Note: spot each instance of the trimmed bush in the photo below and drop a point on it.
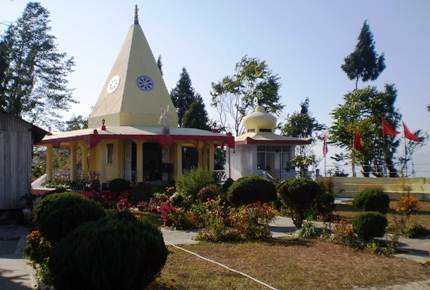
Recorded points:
(116, 252)
(59, 213)
(415, 230)
(227, 183)
(299, 195)
(211, 191)
(190, 184)
(324, 205)
(119, 185)
(251, 189)
(369, 224)
(372, 199)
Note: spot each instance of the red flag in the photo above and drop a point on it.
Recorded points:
(408, 134)
(325, 147)
(358, 142)
(387, 129)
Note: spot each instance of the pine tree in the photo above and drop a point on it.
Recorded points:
(364, 63)
(33, 73)
(301, 124)
(196, 116)
(76, 123)
(183, 95)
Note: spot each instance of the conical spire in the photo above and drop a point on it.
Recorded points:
(136, 14)
(134, 93)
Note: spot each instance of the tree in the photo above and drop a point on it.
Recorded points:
(33, 73)
(183, 95)
(196, 116)
(362, 112)
(364, 63)
(160, 65)
(76, 123)
(233, 96)
(301, 124)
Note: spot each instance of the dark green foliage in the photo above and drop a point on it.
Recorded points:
(119, 185)
(372, 199)
(76, 123)
(59, 213)
(190, 184)
(196, 115)
(227, 183)
(299, 195)
(369, 224)
(183, 95)
(301, 124)
(143, 191)
(117, 252)
(362, 110)
(33, 73)
(211, 191)
(233, 96)
(324, 205)
(415, 230)
(364, 63)
(251, 189)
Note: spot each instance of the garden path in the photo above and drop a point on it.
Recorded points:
(15, 272)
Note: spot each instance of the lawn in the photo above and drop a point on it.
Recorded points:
(301, 264)
(422, 217)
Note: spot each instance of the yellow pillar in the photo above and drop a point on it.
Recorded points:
(139, 161)
(178, 160)
(49, 160)
(72, 161)
(84, 155)
(200, 155)
(211, 157)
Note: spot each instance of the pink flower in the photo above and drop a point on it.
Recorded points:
(123, 204)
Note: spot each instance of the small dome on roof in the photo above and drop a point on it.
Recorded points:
(259, 120)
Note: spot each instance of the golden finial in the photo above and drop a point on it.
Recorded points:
(136, 14)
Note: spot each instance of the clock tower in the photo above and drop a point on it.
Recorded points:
(134, 92)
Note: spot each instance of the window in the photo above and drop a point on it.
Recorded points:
(109, 153)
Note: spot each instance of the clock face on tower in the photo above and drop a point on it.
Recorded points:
(113, 84)
(145, 83)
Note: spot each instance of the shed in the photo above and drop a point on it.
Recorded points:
(16, 148)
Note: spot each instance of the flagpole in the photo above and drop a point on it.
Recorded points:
(325, 166)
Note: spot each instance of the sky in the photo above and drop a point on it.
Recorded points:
(304, 42)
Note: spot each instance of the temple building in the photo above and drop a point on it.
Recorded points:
(133, 129)
(259, 151)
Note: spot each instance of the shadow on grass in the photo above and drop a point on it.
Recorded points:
(287, 242)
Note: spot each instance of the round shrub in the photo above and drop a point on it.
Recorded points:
(251, 189)
(227, 183)
(119, 185)
(208, 192)
(369, 224)
(324, 205)
(299, 195)
(116, 252)
(372, 199)
(59, 213)
(190, 184)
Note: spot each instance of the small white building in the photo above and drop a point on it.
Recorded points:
(260, 151)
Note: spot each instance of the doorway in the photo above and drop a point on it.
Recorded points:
(152, 161)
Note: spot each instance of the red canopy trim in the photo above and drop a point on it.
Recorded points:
(249, 140)
(93, 139)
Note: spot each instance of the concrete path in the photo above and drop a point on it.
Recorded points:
(15, 272)
(418, 285)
